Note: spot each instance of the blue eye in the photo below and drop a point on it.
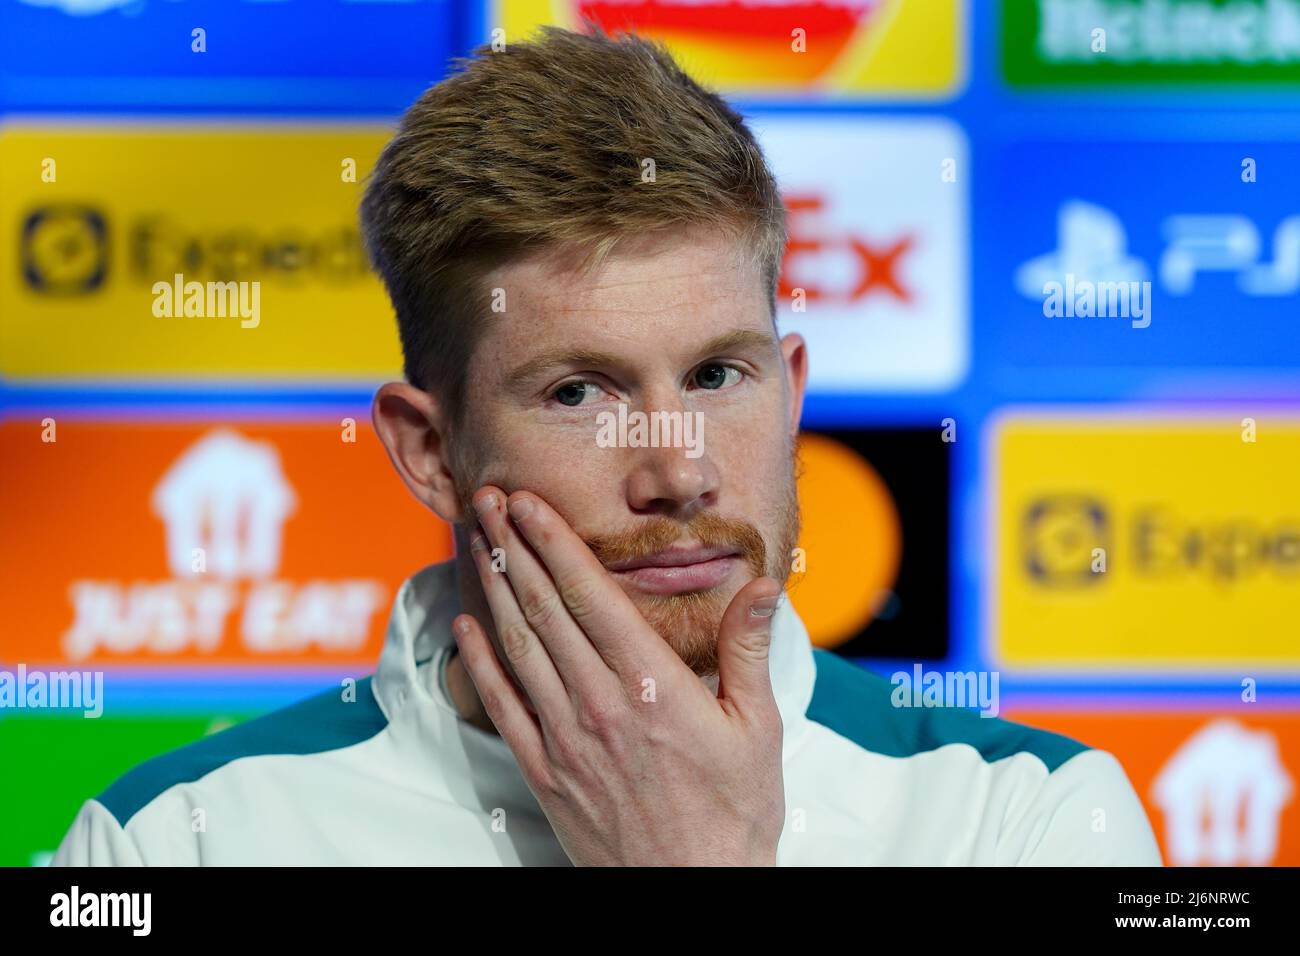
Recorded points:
(715, 376)
(571, 394)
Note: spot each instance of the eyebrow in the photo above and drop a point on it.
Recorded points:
(739, 340)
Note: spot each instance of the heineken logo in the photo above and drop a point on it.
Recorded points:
(1049, 42)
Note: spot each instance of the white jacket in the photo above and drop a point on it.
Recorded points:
(390, 774)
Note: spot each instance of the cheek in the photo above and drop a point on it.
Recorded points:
(752, 461)
(562, 466)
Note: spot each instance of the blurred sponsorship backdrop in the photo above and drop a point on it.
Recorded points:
(1046, 254)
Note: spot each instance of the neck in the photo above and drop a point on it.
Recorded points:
(465, 698)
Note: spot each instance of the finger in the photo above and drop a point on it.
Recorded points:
(501, 699)
(523, 650)
(595, 601)
(535, 592)
(744, 639)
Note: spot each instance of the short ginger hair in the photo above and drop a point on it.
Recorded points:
(543, 146)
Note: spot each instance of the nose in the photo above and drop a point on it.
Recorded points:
(678, 478)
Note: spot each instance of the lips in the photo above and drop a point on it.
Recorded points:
(674, 558)
(743, 42)
(678, 570)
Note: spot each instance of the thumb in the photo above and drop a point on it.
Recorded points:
(743, 642)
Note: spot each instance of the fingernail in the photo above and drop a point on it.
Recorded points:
(520, 508)
(485, 504)
(478, 542)
(764, 607)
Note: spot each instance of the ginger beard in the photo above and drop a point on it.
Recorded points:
(689, 622)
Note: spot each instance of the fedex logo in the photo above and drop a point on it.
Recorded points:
(873, 267)
(875, 274)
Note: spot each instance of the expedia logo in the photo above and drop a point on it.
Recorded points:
(1067, 542)
(1061, 535)
(64, 250)
(1134, 536)
(1169, 546)
(82, 270)
(158, 246)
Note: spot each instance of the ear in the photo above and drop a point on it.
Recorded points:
(413, 428)
(795, 355)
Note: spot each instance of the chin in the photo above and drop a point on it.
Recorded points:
(688, 623)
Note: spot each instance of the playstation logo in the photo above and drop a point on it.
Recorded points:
(1091, 245)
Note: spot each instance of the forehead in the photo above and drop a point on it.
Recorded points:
(661, 290)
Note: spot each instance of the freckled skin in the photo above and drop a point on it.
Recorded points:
(652, 307)
(692, 775)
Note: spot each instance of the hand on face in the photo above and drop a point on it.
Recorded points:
(631, 757)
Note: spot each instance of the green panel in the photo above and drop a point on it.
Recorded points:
(52, 763)
(1153, 43)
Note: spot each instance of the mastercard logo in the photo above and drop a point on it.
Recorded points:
(850, 542)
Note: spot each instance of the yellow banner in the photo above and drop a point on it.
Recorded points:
(171, 251)
(1146, 542)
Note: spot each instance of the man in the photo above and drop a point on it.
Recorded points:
(607, 672)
